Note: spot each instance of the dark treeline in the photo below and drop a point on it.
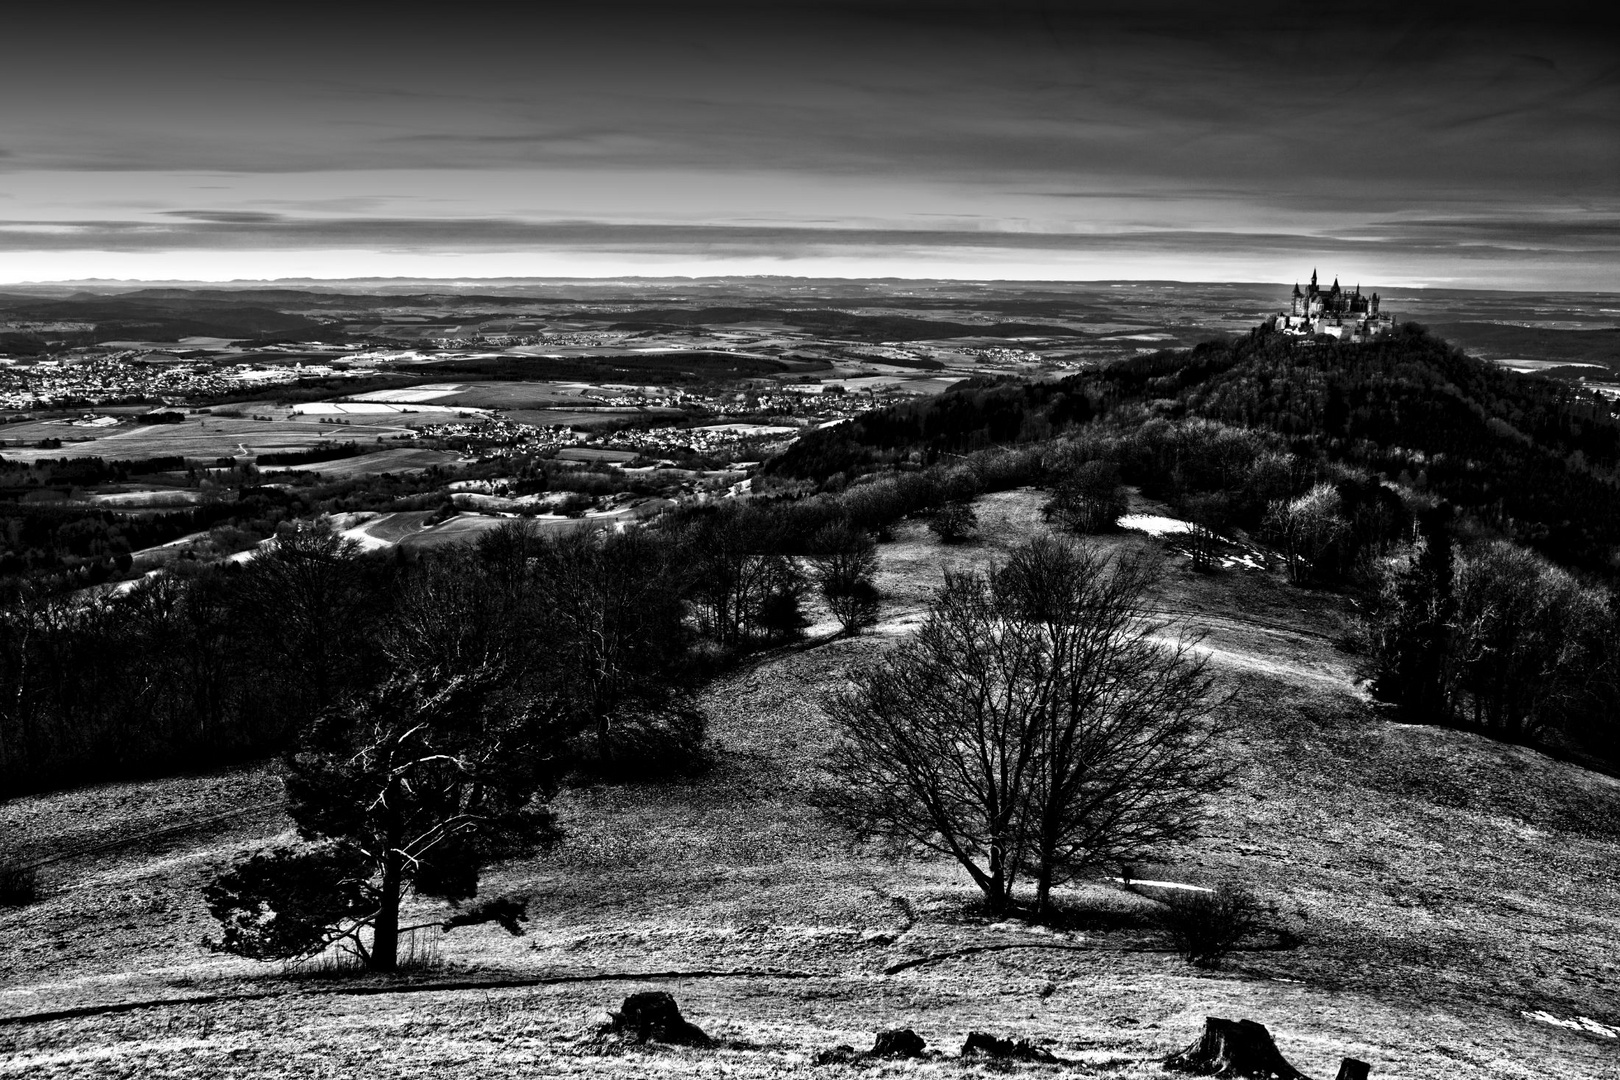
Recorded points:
(192, 668)
(208, 663)
(685, 368)
(328, 451)
(1483, 633)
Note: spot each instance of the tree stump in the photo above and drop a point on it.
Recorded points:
(652, 1016)
(983, 1044)
(1351, 1069)
(897, 1043)
(1234, 1048)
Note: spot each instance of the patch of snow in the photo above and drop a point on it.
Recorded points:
(1154, 524)
(1164, 884)
(1577, 1023)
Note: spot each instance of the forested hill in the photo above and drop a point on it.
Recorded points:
(1534, 457)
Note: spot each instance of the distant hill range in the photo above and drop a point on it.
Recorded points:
(1543, 329)
(159, 317)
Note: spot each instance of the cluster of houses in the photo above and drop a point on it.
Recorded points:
(134, 375)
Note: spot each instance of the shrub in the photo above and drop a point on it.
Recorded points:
(19, 884)
(1205, 927)
(1209, 516)
(1088, 498)
(575, 504)
(954, 522)
(649, 745)
(843, 565)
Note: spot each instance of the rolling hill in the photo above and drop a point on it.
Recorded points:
(1445, 902)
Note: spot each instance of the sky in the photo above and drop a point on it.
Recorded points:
(1441, 145)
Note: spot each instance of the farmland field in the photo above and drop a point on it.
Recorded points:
(203, 437)
(395, 528)
(148, 499)
(456, 530)
(591, 453)
(409, 528)
(585, 418)
(519, 395)
(400, 460)
(410, 394)
(435, 412)
(505, 396)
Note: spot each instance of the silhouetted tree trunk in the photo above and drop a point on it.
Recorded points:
(1235, 1048)
(385, 931)
(1351, 1069)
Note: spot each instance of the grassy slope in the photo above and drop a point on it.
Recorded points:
(1442, 884)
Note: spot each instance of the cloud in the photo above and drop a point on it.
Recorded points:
(227, 217)
(1461, 239)
(1145, 124)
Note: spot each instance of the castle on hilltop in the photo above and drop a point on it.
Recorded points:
(1348, 316)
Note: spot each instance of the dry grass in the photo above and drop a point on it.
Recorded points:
(1440, 885)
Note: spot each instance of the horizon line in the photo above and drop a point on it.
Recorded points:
(695, 279)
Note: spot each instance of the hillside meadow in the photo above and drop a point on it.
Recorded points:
(1440, 900)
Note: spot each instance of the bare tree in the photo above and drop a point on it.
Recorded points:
(1307, 527)
(954, 522)
(1522, 635)
(306, 596)
(1036, 724)
(843, 563)
(1088, 498)
(617, 624)
(745, 591)
(935, 746)
(1122, 757)
(1208, 517)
